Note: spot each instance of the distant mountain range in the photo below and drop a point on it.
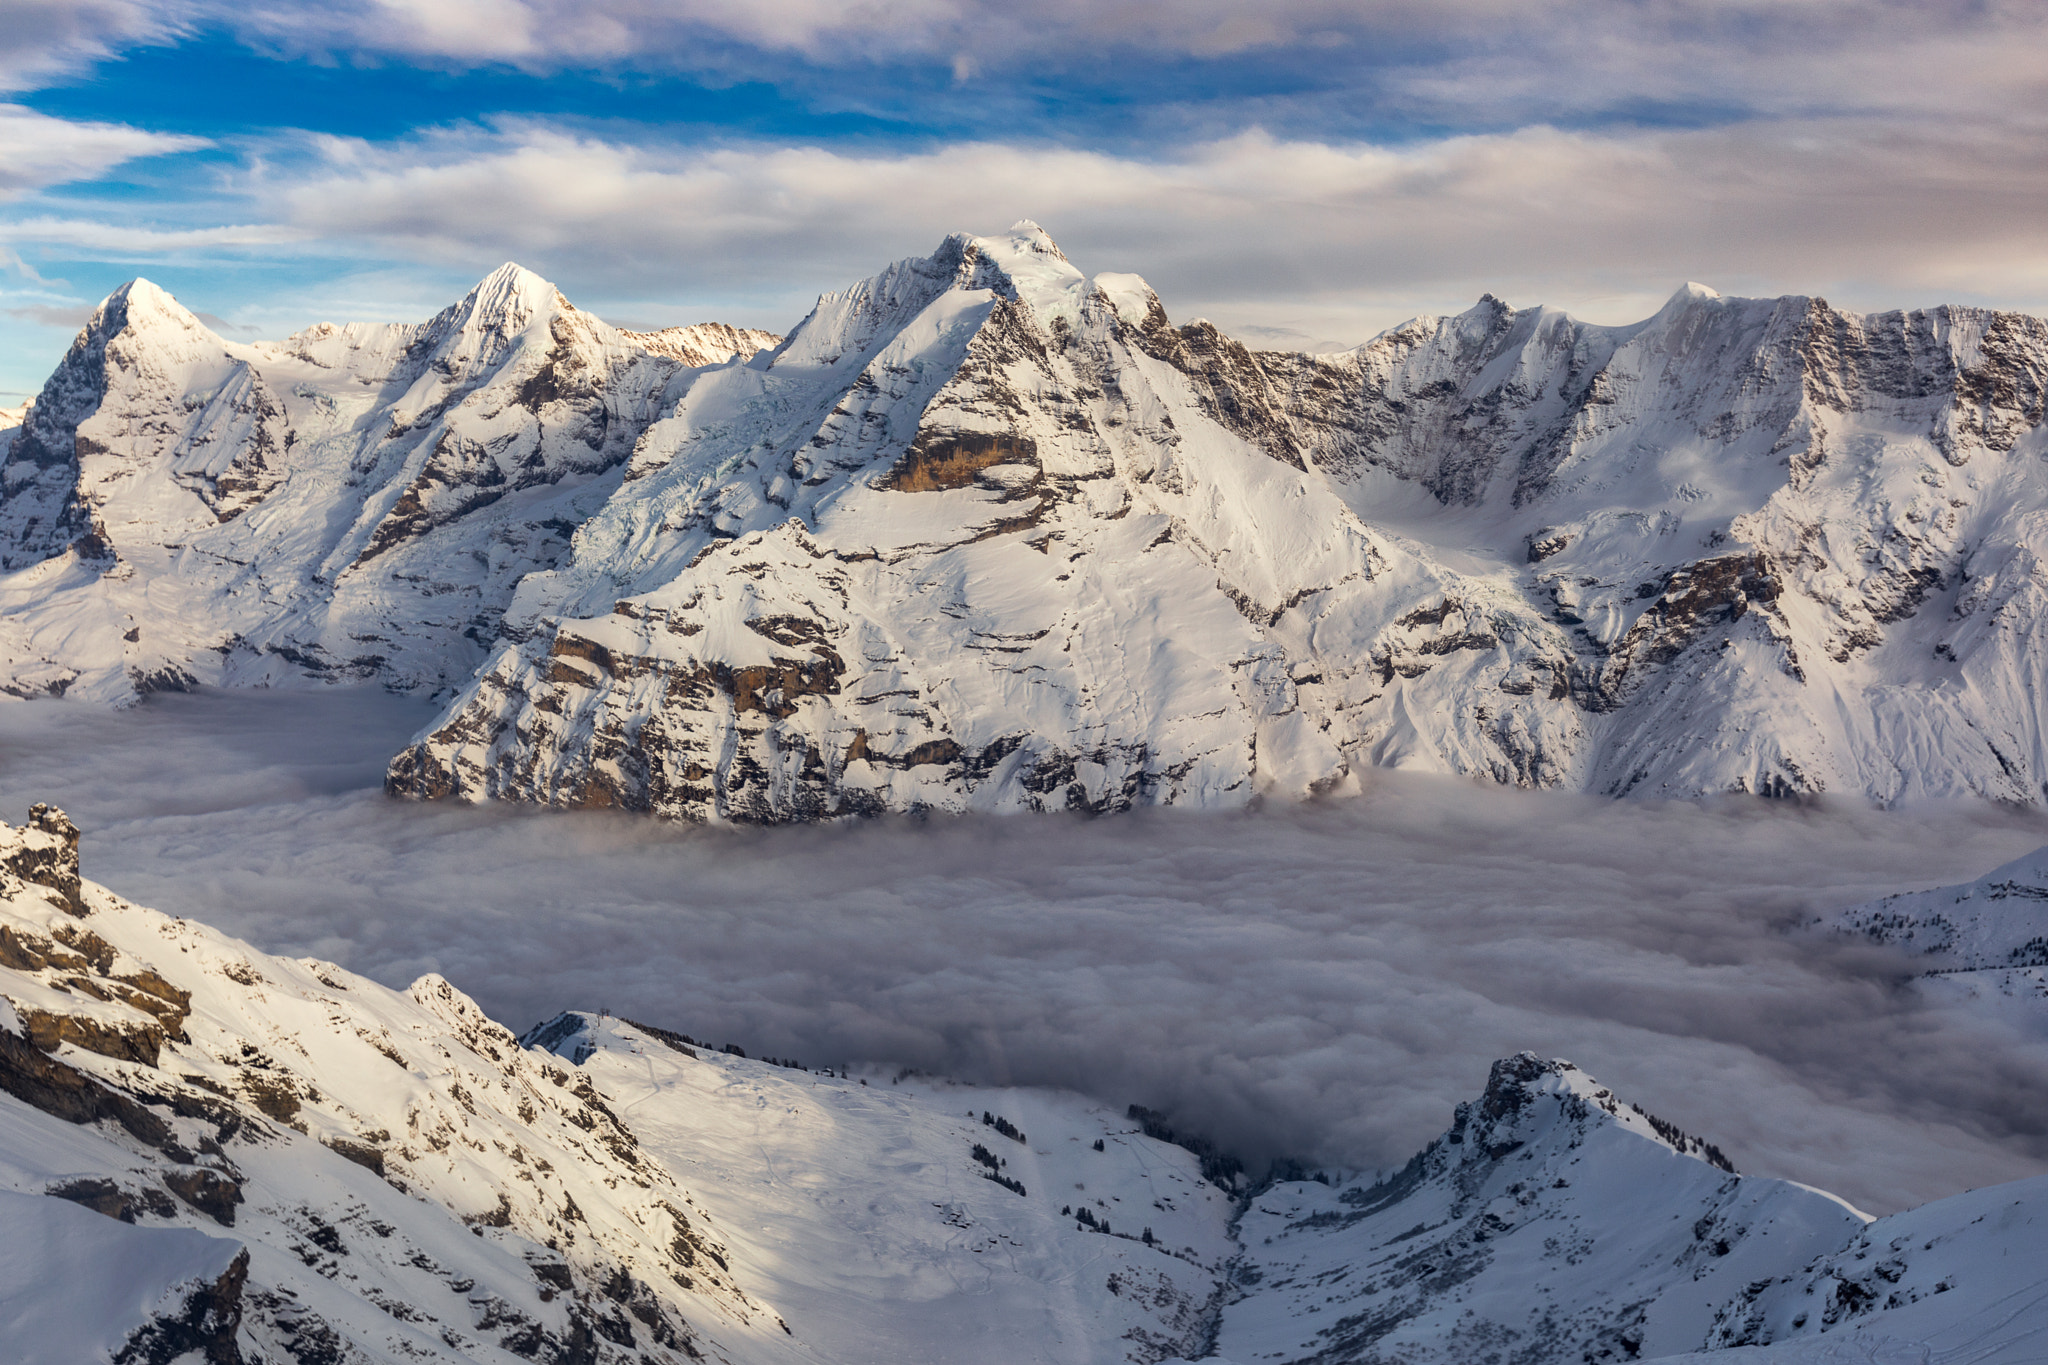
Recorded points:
(212, 1154)
(985, 533)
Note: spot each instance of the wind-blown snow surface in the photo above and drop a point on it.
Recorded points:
(985, 533)
(1323, 981)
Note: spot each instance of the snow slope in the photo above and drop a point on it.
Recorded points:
(1982, 946)
(1959, 1281)
(859, 1209)
(76, 1286)
(350, 503)
(985, 533)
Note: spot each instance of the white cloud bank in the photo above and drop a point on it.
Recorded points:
(1334, 241)
(1320, 981)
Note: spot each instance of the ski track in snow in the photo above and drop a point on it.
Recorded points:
(1324, 982)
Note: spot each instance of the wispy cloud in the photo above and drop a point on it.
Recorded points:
(37, 151)
(47, 38)
(1324, 981)
(52, 314)
(141, 242)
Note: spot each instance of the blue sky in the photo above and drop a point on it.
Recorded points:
(1302, 171)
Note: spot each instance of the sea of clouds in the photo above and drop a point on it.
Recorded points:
(1321, 982)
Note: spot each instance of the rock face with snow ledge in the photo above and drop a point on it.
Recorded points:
(315, 1168)
(351, 503)
(389, 1174)
(987, 534)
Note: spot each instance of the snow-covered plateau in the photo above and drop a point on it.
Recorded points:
(214, 1154)
(986, 533)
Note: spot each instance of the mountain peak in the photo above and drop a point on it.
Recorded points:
(143, 305)
(1037, 269)
(1511, 1110)
(1029, 236)
(510, 298)
(1685, 296)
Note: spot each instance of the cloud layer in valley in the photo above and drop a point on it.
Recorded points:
(1323, 981)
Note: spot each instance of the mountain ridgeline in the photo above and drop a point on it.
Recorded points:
(984, 533)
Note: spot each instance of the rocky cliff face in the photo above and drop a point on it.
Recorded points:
(988, 534)
(352, 503)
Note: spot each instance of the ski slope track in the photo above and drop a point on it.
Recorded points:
(984, 533)
(212, 1154)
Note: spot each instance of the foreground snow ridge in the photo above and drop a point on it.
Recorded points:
(986, 533)
(208, 1153)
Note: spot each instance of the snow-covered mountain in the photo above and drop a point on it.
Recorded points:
(1982, 945)
(207, 1152)
(350, 503)
(1551, 1223)
(987, 533)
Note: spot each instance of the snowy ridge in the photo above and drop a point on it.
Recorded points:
(352, 503)
(986, 534)
(1551, 1223)
(1958, 1280)
(1997, 923)
(705, 343)
(407, 1183)
(262, 1159)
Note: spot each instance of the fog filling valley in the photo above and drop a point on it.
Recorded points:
(1321, 982)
